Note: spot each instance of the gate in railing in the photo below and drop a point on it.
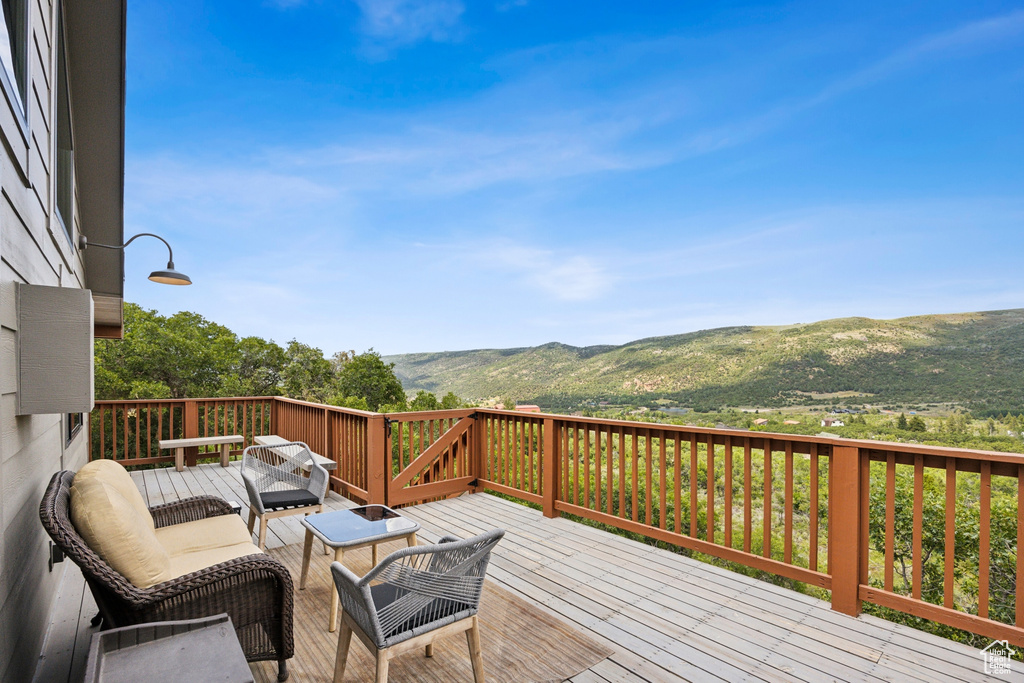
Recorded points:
(795, 506)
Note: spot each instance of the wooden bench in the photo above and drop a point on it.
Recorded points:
(275, 440)
(179, 446)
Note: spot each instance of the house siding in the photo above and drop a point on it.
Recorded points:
(33, 249)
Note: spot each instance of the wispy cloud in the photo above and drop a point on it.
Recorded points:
(390, 24)
(506, 5)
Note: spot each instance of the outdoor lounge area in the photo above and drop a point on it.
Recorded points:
(636, 612)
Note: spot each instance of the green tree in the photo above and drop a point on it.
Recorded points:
(165, 357)
(308, 375)
(424, 400)
(917, 424)
(367, 376)
(450, 401)
(901, 422)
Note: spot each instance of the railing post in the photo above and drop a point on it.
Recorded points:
(846, 542)
(377, 476)
(550, 463)
(326, 432)
(190, 427)
(479, 455)
(273, 416)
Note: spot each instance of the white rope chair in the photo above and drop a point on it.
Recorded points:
(282, 479)
(414, 597)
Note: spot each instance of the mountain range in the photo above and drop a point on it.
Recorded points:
(972, 359)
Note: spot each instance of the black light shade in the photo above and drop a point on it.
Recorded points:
(170, 277)
(165, 277)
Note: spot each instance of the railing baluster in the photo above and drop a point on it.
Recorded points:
(1019, 596)
(984, 534)
(766, 548)
(727, 499)
(663, 488)
(890, 517)
(712, 480)
(918, 520)
(787, 550)
(693, 486)
(648, 477)
(812, 551)
(634, 461)
(677, 482)
(748, 495)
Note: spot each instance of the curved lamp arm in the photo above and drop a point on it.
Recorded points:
(167, 277)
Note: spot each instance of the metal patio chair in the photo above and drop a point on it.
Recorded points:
(282, 479)
(414, 597)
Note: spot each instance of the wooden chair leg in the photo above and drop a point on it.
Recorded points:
(307, 547)
(332, 620)
(374, 554)
(263, 532)
(382, 666)
(475, 653)
(429, 650)
(252, 519)
(344, 640)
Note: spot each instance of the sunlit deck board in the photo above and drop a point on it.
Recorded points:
(666, 617)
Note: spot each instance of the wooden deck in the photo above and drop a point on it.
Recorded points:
(666, 617)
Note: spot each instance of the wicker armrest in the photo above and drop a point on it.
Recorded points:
(189, 510)
(355, 597)
(256, 563)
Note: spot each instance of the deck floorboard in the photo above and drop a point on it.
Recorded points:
(665, 616)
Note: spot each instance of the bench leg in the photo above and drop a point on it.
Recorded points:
(179, 459)
(225, 455)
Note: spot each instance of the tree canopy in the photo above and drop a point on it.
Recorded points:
(186, 355)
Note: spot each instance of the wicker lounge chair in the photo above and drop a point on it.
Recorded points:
(414, 596)
(255, 590)
(282, 479)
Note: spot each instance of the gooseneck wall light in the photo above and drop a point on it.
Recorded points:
(167, 277)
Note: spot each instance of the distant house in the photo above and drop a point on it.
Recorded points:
(760, 421)
(525, 408)
(832, 422)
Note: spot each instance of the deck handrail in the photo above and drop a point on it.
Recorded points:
(793, 505)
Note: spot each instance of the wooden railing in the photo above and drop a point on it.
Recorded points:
(796, 506)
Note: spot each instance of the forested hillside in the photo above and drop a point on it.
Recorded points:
(972, 359)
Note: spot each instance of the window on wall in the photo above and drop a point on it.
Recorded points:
(65, 144)
(14, 47)
(73, 424)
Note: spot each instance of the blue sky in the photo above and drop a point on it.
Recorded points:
(426, 175)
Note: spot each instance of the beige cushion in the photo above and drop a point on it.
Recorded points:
(112, 527)
(186, 563)
(203, 534)
(114, 474)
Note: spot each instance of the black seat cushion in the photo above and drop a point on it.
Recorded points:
(438, 608)
(294, 498)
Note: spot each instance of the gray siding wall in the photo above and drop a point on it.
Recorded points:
(34, 249)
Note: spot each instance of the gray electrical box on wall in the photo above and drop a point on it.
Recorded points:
(55, 350)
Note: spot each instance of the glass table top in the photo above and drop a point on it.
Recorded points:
(340, 528)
